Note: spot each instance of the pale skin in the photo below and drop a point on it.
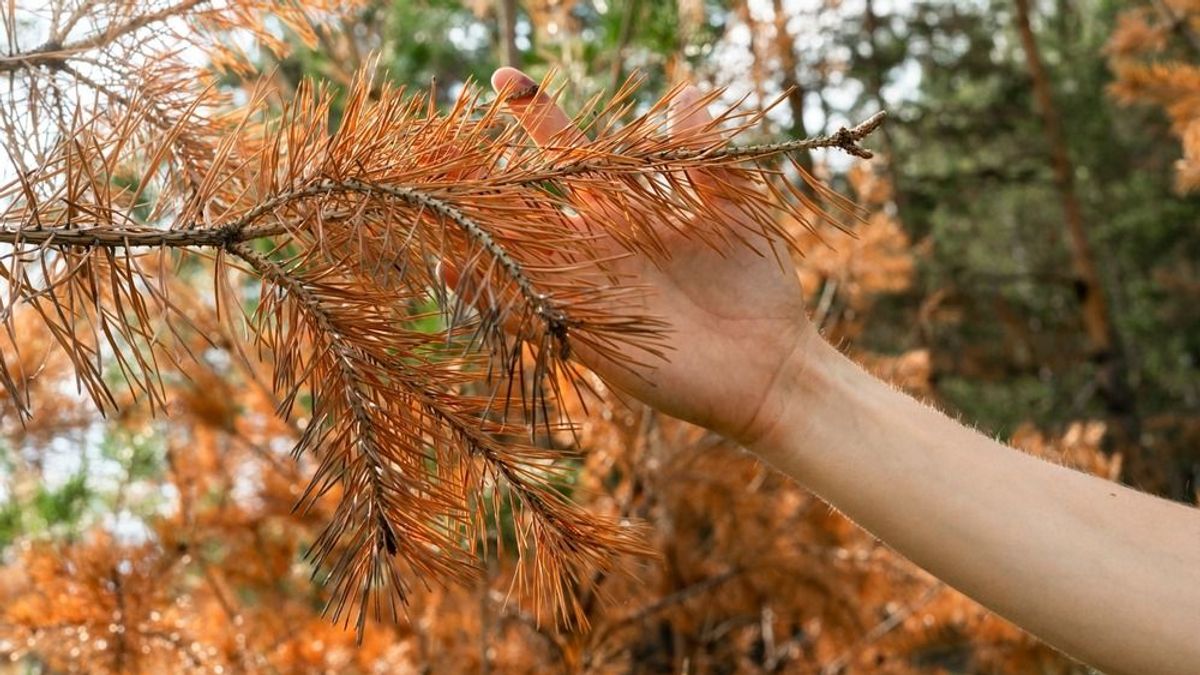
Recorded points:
(1108, 575)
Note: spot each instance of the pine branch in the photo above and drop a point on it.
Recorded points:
(366, 446)
(352, 228)
(562, 527)
(135, 237)
(242, 230)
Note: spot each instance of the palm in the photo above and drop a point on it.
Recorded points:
(716, 307)
(734, 317)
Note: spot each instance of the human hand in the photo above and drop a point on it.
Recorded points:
(736, 318)
(746, 362)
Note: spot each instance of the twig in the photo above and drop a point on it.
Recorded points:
(680, 596)
(356, 399)
(136, 237)
(882, 628)
(53, 54)
(844, 139)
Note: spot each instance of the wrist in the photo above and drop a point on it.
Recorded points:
(791, 391)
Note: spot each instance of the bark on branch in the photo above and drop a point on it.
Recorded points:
(53, 54)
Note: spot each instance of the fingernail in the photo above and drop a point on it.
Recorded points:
(523, 88)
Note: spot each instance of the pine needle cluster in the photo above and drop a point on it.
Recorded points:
(422, 277)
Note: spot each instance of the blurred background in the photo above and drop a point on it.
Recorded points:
(1026, 261)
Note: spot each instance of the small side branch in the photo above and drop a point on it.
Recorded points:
(54, 54)
(678, 597)
(845, 139)
(136, 237)
(358, 401)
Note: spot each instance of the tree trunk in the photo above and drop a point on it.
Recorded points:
(875, 77)
(1104, 340)
(785, 51)
(629, 19)
(506, 17)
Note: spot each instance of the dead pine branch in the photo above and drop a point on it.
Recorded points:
(330, 247)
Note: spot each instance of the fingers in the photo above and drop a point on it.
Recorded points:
(539, 115)
(723, 199)
(689, 119)
(692, 125)
(546, 124)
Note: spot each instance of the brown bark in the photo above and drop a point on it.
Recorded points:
(506, 17)
(785, 50)
(758, 54)
(1096, 319)
(616, 76)
(875, 77)
(1104, 340)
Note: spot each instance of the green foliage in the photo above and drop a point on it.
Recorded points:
(140, 455)
(438, 41)
(35, 504)
(974, 179)
(56, 511)
(65, 505)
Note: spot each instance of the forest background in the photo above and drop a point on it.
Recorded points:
(1026, 263)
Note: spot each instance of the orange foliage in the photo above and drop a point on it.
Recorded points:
(749, 570)
(1153, 54)
(843, 275)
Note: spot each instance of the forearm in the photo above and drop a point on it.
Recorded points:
(1109, 575)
